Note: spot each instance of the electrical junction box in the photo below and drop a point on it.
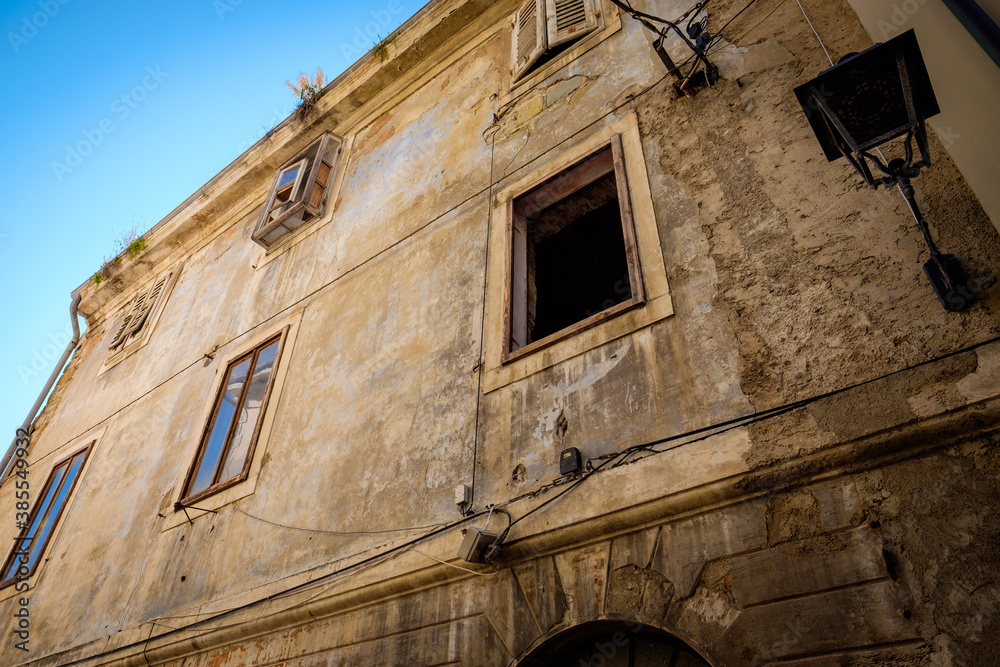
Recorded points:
(477, 541)
(570, 461)
(463, 497)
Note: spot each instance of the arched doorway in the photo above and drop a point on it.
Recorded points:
(613, 644)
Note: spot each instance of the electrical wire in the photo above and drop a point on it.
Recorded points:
(746, 32)
(615, 459)
(811, 27)
(696, 8)
(718, 429)
(452, 565)
(336, 532)
(719, 34)
(482, 329)
(634, 13)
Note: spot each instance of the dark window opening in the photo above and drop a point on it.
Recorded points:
(574, 261)
(613, 644)
(577, 260)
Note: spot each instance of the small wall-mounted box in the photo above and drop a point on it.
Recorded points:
(475, 545)
(570, 461)
(463, 497)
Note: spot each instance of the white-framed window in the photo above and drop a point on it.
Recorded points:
(542, 26)
(300, 193)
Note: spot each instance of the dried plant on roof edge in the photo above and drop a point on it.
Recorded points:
(308, 90)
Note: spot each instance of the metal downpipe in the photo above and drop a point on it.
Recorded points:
(56, 372)
(979, 23)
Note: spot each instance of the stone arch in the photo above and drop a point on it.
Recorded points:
(612, 643)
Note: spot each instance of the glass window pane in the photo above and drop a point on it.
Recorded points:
(45, 529)
(45, 514)
(232, 390)
(40, 512)
(286, 183)
(288, 176)
(242, 438)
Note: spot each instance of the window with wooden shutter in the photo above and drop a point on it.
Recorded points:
(542, 25)
(529, 35)
(138, 317)
(569, 19)
(300, 193)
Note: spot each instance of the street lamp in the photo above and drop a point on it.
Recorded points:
(867, 100)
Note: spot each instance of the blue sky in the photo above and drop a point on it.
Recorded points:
(115, 112)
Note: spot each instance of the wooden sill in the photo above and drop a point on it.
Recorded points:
(572, 330)
(210, 491)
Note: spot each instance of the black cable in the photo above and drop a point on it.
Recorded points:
(735, 16)
(317, 531)
(704, 432)
(723, 427)
(718, 35)
(634, 13)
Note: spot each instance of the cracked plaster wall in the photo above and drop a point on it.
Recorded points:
(788, 280)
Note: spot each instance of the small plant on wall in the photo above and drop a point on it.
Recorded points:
(308, 90)
(128, 245)
(381, 48)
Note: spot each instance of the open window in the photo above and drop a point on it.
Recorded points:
(543, 27)
(38, 526)
(574, 262)
(300, 192)
(137, 319)
(234, 426)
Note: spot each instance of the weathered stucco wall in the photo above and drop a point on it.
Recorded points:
(966, 81)
(848, 530)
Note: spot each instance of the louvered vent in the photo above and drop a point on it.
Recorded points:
(527, 33)
(151, 298)
(137, 319)
(570, 14)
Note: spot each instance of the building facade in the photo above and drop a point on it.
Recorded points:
(502, 241)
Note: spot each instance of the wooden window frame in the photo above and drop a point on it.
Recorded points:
(136, 338)
(650, 236)
(187, 498)
(304, 200)
(66, 461)
(515, 266)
